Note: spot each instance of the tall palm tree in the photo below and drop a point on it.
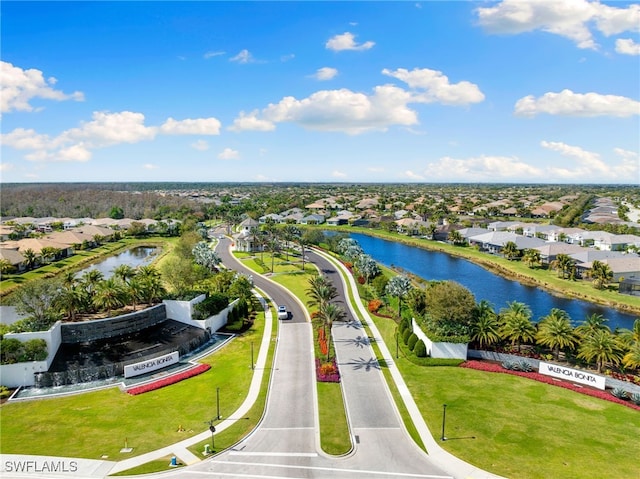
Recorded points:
(601, 347)
(510, 250)
(485, 329)
(321, 291)
(330, 313)
(555, 331)
(531, 257)
(455, 237)
(73, 300)
(90, 280)
(30, 258)
(601, 274)
(632, 358)
(399, 286)
(565, 265)
(516, 324)
(6, 267)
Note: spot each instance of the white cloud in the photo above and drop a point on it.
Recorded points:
(411, 175)
(338, 174)
(345, 110)
(437, 87)
(590, 161)
(346, 41)
(627, 46)
(105, 129)
(288, 57)
(18, 87)
(200, 145)
(251, 122)
(149, 166)
(199, 126)
(229, 154)
(571, 19)
(243, 57)
(213, 54)
(590, 165)
(482, 168)
(6, 166)
(569, 103)
(325, 73)
(111, 129)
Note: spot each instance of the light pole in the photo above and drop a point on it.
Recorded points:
(218, 401)
(397, 335)
(252, 365)
(212, 428)
(444, 418)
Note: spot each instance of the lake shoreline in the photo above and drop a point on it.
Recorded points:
(499, 269)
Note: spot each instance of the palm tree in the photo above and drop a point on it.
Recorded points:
(593, 323)
(531, 257)
(6, 266)
(485, 329)
(455, 237)
(73, 299)
(601, 274)
(49, 253)
(516, 324)
(510, 250)
(110, 294)
(555, 331)
(124, 272)
(330, 313)
(399, 286)
(30, 258)
(150, 281)
(632, 358)
(321, 292)
(90, 280)
(601, 347)
(565, 265)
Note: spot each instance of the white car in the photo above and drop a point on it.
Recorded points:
(282, 312)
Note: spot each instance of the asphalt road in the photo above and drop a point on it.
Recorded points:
(286, 443)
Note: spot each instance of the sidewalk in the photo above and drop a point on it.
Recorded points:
(441, 458)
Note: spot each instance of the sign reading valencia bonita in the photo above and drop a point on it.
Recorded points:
(137, 369)
(574, 375)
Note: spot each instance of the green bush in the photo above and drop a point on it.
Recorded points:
(413, 339)
(4, 392)
(406, 335)
(619, 393)
(635, 397)
(420, 349)
(15, 351)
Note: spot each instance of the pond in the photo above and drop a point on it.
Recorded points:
(134, 257)
(433, 265)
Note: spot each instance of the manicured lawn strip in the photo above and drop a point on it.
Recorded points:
(514, 270)
(333, 419)
(149, 467)
(523, 429)
(94, 424)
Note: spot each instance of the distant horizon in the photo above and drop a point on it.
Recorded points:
(367, 92)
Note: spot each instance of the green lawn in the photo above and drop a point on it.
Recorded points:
(523, 429)
(96, 424)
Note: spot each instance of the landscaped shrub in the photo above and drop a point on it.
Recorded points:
(327, 372)
(406, 335)
(4, 392)
(374, 305)
(413, 339)
(212, 305)
(520, 365)
(13, 350)
(403, 325)
(635, 398)
(619, 393)
(199, 369)
(420, 349)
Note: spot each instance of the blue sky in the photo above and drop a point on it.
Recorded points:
(511, 91)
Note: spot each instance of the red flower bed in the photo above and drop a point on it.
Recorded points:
(327, 372)
(160, 383)
(497, 368)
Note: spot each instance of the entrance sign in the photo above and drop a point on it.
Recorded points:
(151, 365)
(574, 375)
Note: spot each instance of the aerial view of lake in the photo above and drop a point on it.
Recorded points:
(433, 265)
(134, 257)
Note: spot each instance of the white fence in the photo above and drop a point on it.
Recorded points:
(438, 349)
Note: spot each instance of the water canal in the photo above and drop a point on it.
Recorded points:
(434, 265)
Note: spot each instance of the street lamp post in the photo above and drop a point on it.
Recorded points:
(218, 401)
(444, 418)
(397, 336)
(252, 365)
(212, 428)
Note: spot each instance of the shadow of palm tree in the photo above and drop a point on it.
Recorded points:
(362, 363)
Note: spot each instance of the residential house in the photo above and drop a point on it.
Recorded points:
(14, 258)
(502, 225)
(614, 242)
(550, 251)
(494, 241)
(627, 267)
(314, 219)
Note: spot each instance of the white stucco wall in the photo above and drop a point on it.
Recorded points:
(440, 350)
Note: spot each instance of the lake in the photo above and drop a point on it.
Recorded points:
(433, 265)
(134, 257)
